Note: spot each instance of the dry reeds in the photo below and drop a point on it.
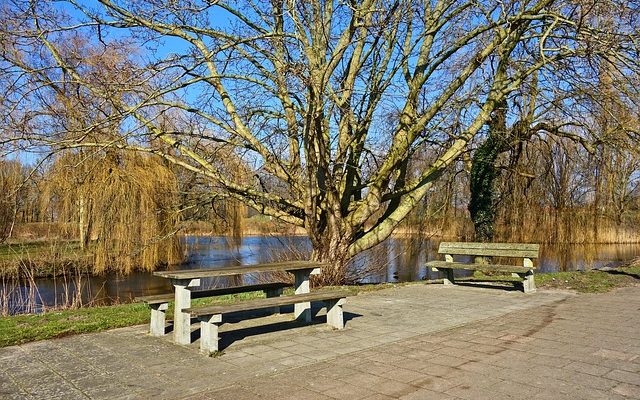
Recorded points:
(20, 293)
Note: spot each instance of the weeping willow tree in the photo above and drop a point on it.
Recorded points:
(125, 202)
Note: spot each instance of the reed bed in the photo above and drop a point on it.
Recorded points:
(21, 277)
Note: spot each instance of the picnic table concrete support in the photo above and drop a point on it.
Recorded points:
(302, 311)
(209, 335)
(182, 320)
(528, 282)
(158, 317)
(335, 317)
(448, 279)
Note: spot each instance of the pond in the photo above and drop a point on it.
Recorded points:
(396, 260)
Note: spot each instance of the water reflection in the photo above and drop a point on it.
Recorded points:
(395, 260)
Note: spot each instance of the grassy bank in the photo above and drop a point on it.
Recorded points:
(25, 328)
(43, 259)
(594, 281)
(19, 329)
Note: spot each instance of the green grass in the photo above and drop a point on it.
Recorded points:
(593, 281)
(26, 328)
(11, 251)
(590, 281)
(43, 258)
(17, 329)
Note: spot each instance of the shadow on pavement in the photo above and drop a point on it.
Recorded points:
(618, 272)
(229, 337)
(508, 286)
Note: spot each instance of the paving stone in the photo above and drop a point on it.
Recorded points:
(414, 342)
(587, 368)
(516, 390)
(392, 388)
(425, 394)
(302, 394)
(448, 361)
(347, 391)
(379, 396)
(628, 390)
(587, 381)
(614, 355)
(474, 393)
(624, 376)
(229, 393)
(404, 375)
(435, 383)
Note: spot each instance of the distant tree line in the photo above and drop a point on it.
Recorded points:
(550, 190)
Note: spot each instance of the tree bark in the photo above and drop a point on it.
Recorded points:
(484, 171)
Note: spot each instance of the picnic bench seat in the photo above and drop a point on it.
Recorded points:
(159, 303)
(211, 316)
(482, 253)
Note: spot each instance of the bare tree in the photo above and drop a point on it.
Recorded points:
(326, 101)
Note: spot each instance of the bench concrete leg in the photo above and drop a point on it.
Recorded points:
(158, 316)
(274, 293)
(302, 311)
(528, 282)
(181, 320)
(209, 326)
(447, 279)
(335, 318)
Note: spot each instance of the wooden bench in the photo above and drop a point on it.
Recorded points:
(211, 316)
(481, 252)
(159, 303)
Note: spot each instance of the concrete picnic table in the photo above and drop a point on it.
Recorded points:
(183, 280)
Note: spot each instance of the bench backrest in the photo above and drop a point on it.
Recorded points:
(524, 250)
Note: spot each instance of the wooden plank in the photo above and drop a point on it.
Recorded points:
(525, 250)
(243, 269)
(197, 294)
(482, 267)
(267, 303)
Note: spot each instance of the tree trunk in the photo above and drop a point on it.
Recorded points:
(335, 254)
(482, 204)
(81, 223)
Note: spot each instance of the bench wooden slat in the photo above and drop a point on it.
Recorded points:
(236, 270)
(482, 267)
(519, 250)
(266, 303)
(197, 294)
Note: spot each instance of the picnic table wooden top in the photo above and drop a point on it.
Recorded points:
(242, 269)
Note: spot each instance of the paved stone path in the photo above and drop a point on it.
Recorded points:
(414, 342)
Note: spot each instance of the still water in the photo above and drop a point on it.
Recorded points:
(395, 260)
